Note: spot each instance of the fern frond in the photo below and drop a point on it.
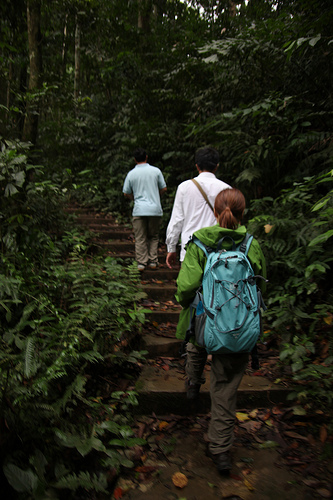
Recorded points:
(83, 480)
(92, 356)
(29, 362)
(76, 388)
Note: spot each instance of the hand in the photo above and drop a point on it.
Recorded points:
(171, 259)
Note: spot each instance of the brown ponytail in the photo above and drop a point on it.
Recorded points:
(229, 207)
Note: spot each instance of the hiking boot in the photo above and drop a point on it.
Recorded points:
(141, 267)
(152, 265)
(222, 462)
(192, 390)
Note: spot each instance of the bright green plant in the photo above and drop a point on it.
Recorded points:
(296, 231)
(295, 237)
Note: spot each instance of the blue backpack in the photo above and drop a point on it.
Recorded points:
(225, 313)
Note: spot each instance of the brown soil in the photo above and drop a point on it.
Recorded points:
(276, 455)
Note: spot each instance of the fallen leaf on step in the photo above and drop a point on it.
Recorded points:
(163, 425)
(242, 417)
(248, 485)
(323, 433)
(179, 480)
(295, 435)
(324, 493)
(118, 493)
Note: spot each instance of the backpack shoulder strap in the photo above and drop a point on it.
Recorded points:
(246, 243)
(207, 250)
(203, 193)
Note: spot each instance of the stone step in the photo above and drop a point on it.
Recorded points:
(122, 248)
(117, 246)
(160, 292)
(108, 224)
(163, 316)
(75, 209)
(89, 215)
(98, 220)
(129, 255)
(113, 235)
(161, 273)
(159, 345)
(161, 391)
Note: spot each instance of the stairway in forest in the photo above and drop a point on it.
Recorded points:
(161, 386)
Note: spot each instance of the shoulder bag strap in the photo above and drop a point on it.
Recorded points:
(203, 193)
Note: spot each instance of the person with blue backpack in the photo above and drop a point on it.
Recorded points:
(219, 277)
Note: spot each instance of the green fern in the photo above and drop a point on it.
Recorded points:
(30, 365)
(83, 480)
(76, 388)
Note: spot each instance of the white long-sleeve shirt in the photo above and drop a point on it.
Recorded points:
(190, 210)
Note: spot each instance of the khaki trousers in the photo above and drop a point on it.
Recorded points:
(146, 232)
(226, 374)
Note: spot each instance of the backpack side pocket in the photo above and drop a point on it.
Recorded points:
(200, 322)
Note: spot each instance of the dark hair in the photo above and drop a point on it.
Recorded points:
(229, 207)
(207, 159)
(140, 155)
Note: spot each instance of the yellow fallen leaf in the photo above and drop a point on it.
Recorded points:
(163, 425)
(328, 320)
(268, 228)
(242, 417)
(179, 480)
(248, 485)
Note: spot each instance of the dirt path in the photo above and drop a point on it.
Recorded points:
(274, 458)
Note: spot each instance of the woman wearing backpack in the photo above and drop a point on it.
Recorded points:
(226, 369)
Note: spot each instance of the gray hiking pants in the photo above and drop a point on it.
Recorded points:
(225, 377)
(226, 374)
(146, 232)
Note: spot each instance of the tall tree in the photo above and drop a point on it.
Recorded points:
(77, 57)
(30, 128)
(144, 12)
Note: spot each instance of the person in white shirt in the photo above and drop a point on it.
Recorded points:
(191, 211)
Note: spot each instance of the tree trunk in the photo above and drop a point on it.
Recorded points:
(144, 12)
(232, 8)
(30, 127)
(77, 59)
(64, 48)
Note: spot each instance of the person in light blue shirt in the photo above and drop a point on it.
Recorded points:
(145, 184)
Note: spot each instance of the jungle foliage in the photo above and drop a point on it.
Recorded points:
(252, 79)
(66, 319)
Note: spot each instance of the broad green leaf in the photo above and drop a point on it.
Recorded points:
(313, 41)
(23, 481)
(322, 238)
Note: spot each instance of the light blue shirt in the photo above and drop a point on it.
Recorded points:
(145, 182)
